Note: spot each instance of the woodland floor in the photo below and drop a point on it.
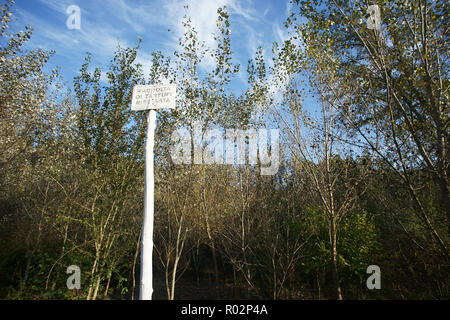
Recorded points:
(188, 288)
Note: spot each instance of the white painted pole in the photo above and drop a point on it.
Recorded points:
(146, 288)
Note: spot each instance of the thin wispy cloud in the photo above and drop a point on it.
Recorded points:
(106, 23)
(139, 16)
(59, 6)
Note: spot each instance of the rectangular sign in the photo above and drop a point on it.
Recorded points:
(158, 96)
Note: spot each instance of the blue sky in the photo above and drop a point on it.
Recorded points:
(105, 23)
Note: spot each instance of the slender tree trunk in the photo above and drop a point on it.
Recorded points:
(213, 251)
(216, 269)
(107, 286)
(167, 277)
(178, 251)
(97, 285)
(334, 269)
(94, 268)
(174, 278)
(208, 232)
(196, 260)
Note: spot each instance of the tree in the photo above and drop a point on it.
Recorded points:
(33, 123)
(315, 147)
(110, 149)
(203, 102)
(392, 84)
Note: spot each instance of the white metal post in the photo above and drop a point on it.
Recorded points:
(146, 289)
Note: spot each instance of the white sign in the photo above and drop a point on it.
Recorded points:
(153, 97)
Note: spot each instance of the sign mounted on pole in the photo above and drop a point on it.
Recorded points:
(153, 97)
(150, 97)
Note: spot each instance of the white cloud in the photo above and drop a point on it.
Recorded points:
(105, 23)
(281, 33)
(59, 6)
(248, 13)
(203, 15)
(288, 7)
(100, 39)
(138, 16)
(145, 60)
